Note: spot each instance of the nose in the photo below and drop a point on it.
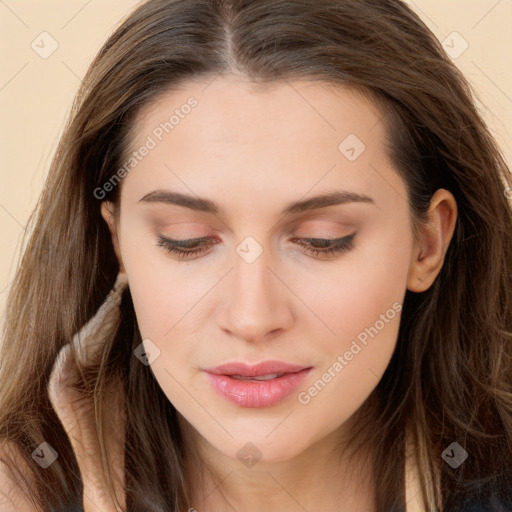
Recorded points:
(257, 305)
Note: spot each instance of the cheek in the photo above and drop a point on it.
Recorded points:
(161, 307)
(167, 301)
(152, 306)
(359, 304)
(162, 289)
(350, 296)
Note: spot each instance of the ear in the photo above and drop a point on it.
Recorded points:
(430, 249)
(107, 212)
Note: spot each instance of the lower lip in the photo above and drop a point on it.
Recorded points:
(257, 393)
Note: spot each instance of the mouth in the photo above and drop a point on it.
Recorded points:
(263, 371)
(270, 376)
(262, 385)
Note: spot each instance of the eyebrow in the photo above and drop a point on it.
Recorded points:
(205, 205)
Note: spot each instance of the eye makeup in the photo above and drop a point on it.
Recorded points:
(187, 249)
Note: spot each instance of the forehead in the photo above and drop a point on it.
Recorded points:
(231, 102)
(282, 138)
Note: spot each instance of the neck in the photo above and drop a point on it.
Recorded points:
(324, 477)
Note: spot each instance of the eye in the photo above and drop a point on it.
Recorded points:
(186, 249)
(327, 247)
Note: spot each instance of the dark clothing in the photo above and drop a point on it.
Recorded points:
(493, 504)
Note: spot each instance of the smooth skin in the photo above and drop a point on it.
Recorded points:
(253, 152)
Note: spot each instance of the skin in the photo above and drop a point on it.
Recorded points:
(253, 152)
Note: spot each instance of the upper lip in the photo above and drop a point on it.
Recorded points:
(263, 368)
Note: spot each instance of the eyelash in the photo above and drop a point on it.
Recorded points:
(340, 245)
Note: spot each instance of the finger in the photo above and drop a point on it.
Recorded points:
(77, 412)
(60, 374)
(92, 335)
(87, 341)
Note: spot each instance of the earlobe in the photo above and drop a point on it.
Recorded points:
(107, 212)
(431, 247)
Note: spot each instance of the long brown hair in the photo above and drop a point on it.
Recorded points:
(450, 377)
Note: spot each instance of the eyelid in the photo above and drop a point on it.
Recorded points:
(327, 238)
(208, 239)
(187, 241)
(189, 248)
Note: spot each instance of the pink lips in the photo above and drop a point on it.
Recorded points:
(256, 393)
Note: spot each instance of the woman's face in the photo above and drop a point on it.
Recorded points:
(255, 291)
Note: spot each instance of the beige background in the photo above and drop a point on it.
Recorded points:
(36, 93)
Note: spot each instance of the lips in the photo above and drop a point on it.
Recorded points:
(258, 370)
(261, 385)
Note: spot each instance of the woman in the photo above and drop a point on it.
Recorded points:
(305, 224)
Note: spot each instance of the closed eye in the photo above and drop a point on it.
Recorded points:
(187, 249)
(326, 246)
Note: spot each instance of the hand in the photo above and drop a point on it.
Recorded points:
(76, 410)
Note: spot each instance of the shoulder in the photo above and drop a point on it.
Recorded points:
(13, 492)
